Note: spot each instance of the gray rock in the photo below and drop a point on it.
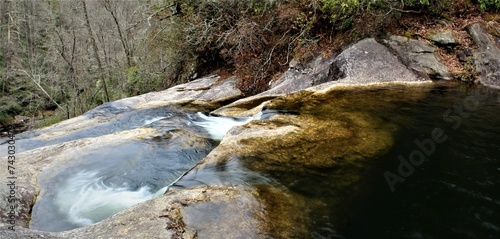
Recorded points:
(368, 62)
(299, 77)
(364, 63)
(285, 142)
(442, 38)
(419, 56)
(486, 57)
(24, 195)
(203, 94)
(186, 213)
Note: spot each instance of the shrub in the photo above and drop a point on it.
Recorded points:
(59, 115)
(5, 119)
(486, 5)
(342, 12)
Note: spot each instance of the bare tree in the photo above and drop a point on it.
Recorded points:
(96, 51)
(110, 6)
(49, 58)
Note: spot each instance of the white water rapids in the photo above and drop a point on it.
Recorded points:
(217, 127)
(108, 184)
(86, 199)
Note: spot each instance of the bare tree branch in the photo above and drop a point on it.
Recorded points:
(36, 80)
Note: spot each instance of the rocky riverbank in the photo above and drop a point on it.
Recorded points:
(317, 100)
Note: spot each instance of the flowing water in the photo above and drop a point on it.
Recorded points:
(98, 184)
(452, 191)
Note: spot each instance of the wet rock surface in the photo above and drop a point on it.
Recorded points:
(184, 214)
(319, 117)
(330, 131)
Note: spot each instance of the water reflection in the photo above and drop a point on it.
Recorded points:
(454, 194)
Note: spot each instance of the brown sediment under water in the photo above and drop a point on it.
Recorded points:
(390, 161)
(439, 176)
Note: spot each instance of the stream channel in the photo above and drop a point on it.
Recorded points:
(453, 193)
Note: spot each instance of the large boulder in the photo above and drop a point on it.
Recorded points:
(419, 56)
(369, 62)
(486, 56)
(366, 62)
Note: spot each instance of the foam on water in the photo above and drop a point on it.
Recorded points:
(152, 120)
(94, 192)
(218, 126)
(86, 199)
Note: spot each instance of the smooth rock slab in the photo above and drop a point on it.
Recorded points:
(204, 94)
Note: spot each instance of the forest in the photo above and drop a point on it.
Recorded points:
(61, 58)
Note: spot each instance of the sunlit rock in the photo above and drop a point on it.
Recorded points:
(419, 56)
(156, 140)
(330, 129)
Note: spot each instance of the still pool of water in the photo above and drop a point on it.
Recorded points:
(452, 189)
(453, 193)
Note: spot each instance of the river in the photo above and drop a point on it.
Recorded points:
(440, 178)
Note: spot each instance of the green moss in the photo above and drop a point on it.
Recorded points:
(5, 118)
(56, 118)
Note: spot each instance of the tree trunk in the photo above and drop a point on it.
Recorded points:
(111, 10)
(96, 51)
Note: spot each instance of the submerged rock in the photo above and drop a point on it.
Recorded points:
(318, 117)
(366, 62)
(486, 57)
(333, 128)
